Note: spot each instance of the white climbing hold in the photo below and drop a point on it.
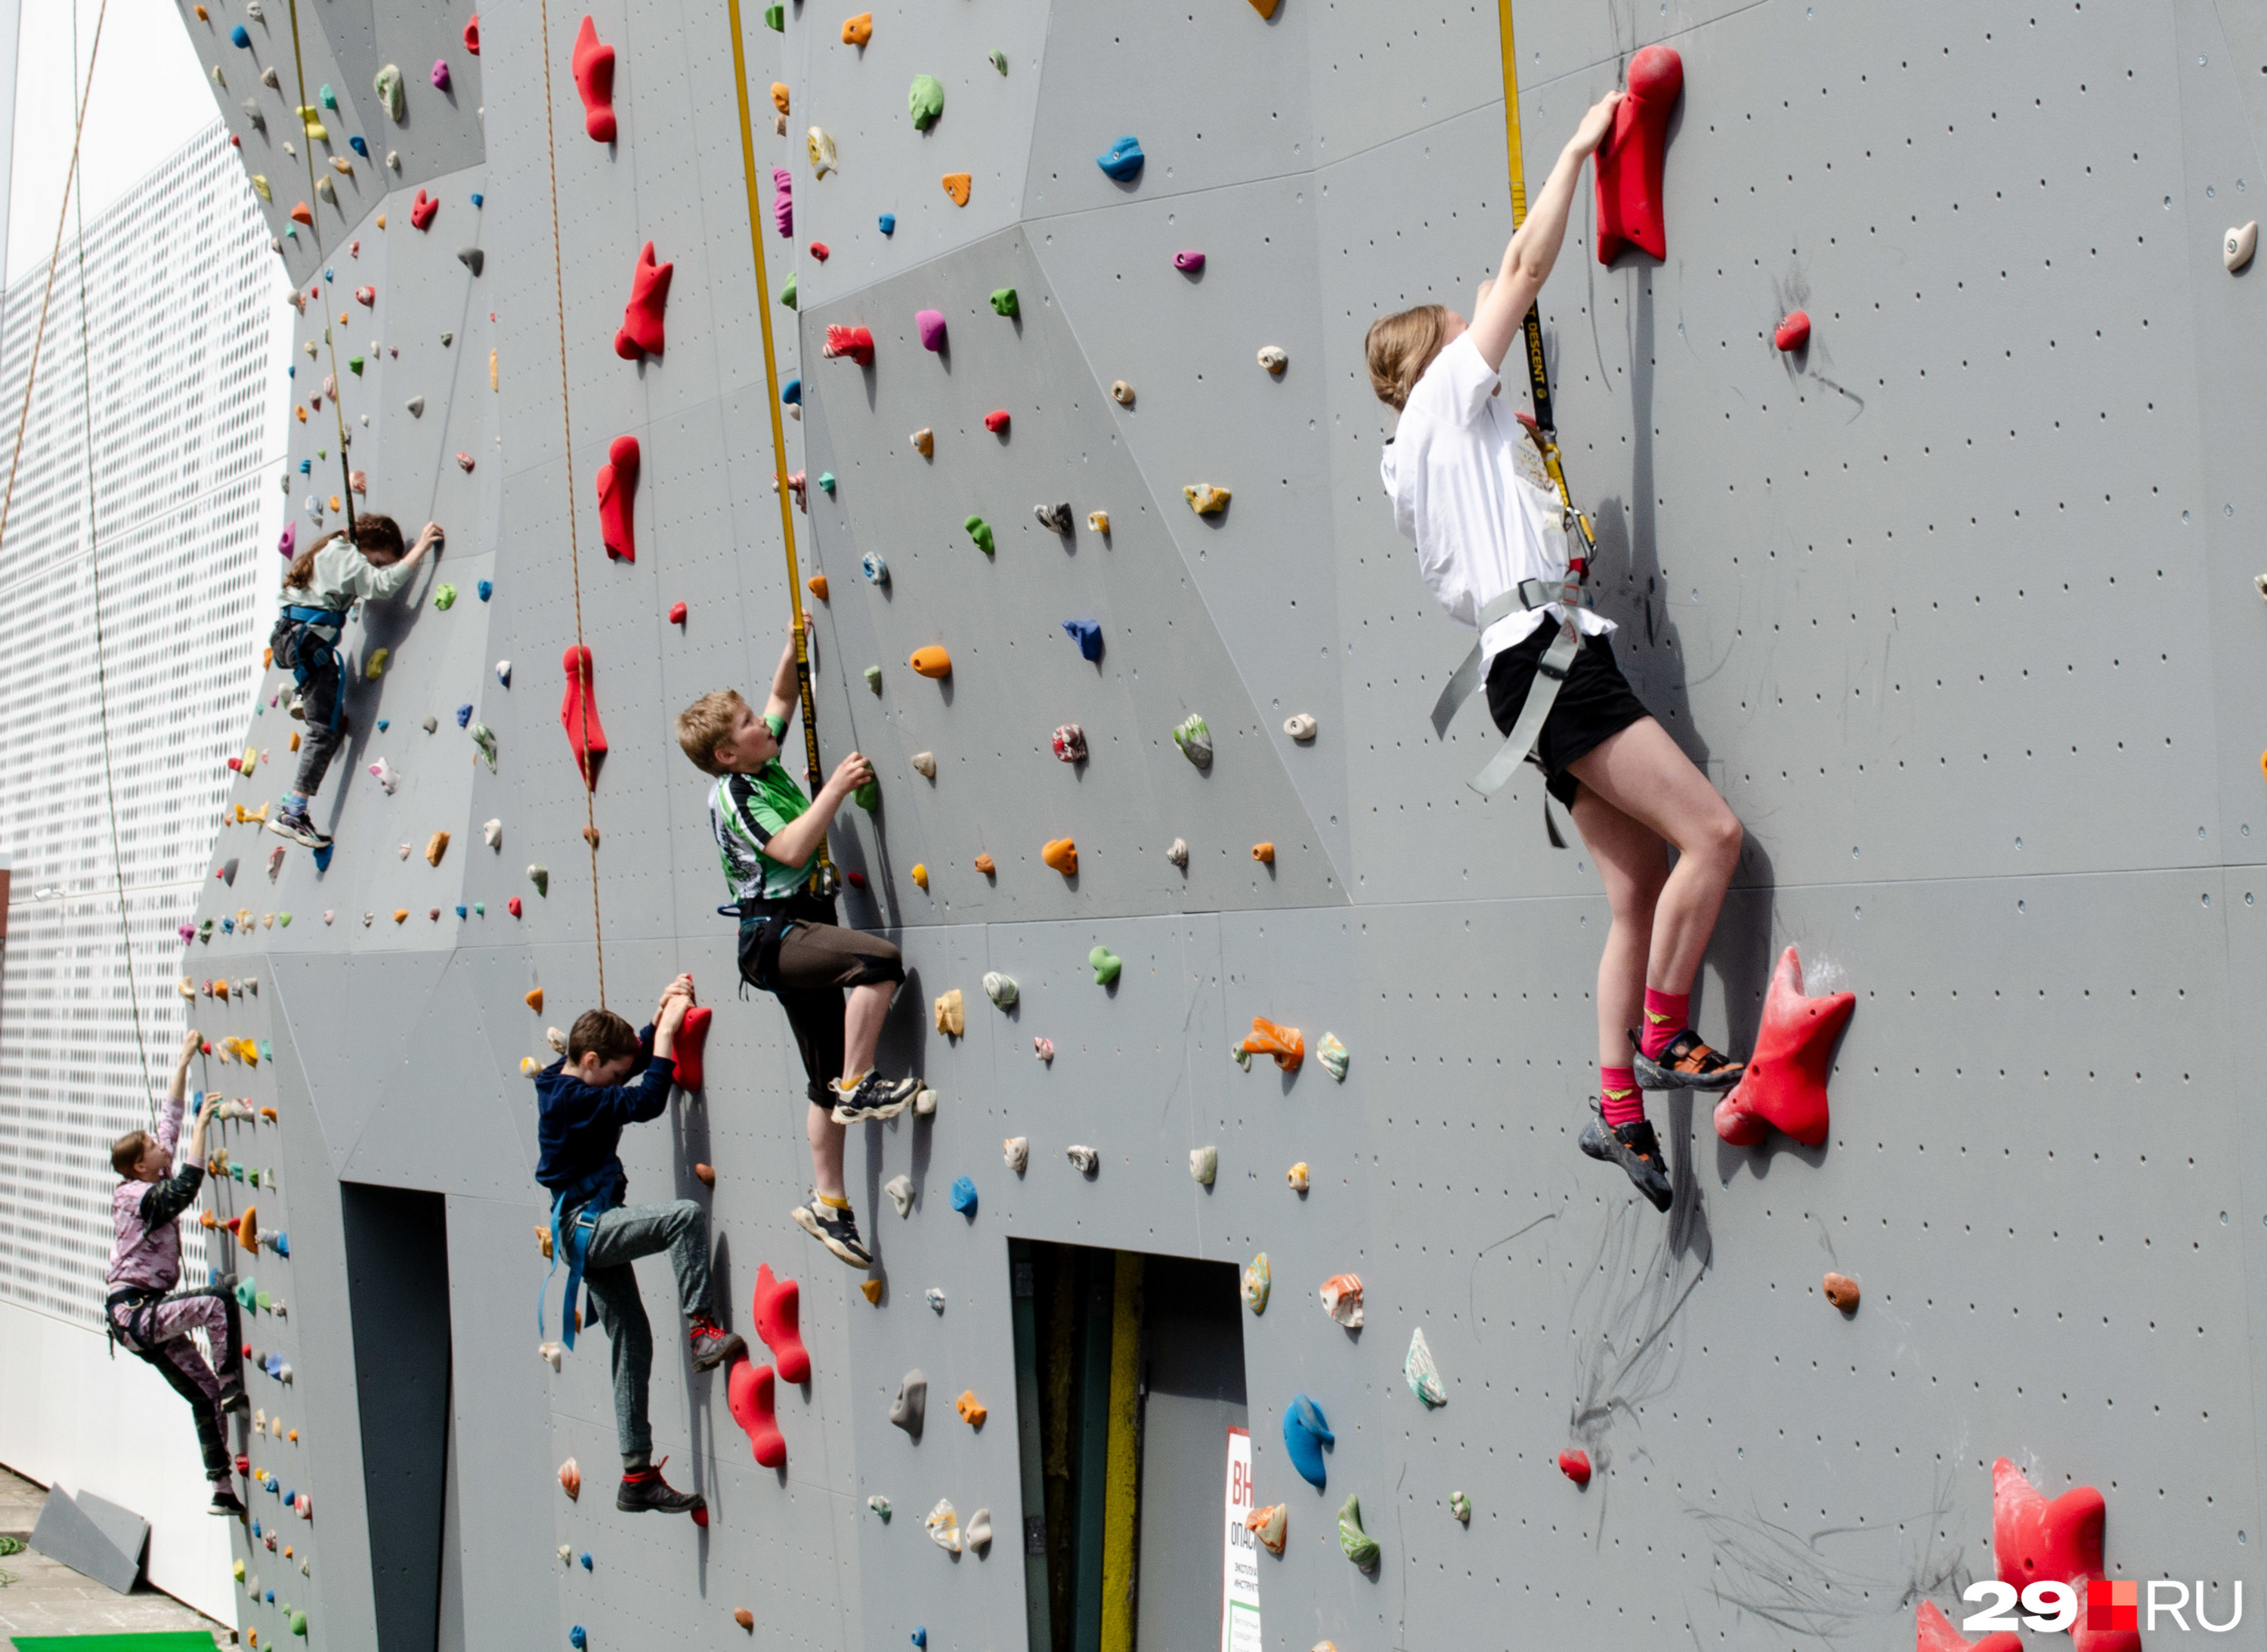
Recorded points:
(1298, 1177)
(1000, 988)
(2241, 243)
(1098, 520)
(1016, 1150)
(555, 1039)
(492, 835)
(934, 1296)
(387, 778)
(943, 1524)
(1341, 1296)
(1179, 852)
(1300, 727)
(551, 1353)
(980, 1531)
(1203, 1165)
(821, 149)
(416, 406)
(924, 764)
(900, 1190)
(1273, 358)
(1424, 1376)
(924, 1102)
(1332, 1055)
(1084, 1160)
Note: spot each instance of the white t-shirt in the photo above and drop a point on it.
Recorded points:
(1470, 487)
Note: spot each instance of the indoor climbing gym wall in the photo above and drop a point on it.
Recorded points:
(1235, 1273)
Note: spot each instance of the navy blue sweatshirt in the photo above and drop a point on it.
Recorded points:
(578, 1126)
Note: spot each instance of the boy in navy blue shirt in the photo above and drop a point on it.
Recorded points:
(584, 1099)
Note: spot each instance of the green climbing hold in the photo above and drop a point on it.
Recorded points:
(245, 1293)
(1461, 1507)
(1332, 1054)
(330, 99)
(1003, 302)
(826, 481)
(786, 293)
(1359, 1546)
(1106, 965)
(998, 60)
(387, 84)
(485, 738)
(868, 796)
(299, 1624)
(775, 18)
(263, 1300)
(980, 530)
(874, 678)
(1195, 740)
(353, 365)
(444, 597)
(282, 920)
(925, 101)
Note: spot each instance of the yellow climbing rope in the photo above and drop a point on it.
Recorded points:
(573, 541)
(821, 870)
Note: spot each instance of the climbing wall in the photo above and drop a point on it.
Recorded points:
(1998, 507)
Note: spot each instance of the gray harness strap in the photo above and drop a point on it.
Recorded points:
(1550, 672)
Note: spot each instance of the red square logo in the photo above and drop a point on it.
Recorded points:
(2113, 1603)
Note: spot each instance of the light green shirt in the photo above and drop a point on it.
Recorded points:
(743, 812)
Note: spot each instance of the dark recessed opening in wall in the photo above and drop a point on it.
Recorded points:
(1131, 1418)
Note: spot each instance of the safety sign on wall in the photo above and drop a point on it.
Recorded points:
(1239, 1566)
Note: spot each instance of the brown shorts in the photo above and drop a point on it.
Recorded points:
(816, 959)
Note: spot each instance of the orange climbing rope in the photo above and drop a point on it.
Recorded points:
(574, 542)
(338, 407)
(822, 871)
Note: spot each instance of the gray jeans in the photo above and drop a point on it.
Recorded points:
(623, 1235)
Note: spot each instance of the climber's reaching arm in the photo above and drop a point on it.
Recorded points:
(1534, 246)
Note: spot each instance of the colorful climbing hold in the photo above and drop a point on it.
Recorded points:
(1575, 1465)
(1263, 853)
(854, 343)
(1287, 1045)
(1359, 1546)
(1272, 357)
(874, 678)
(748, 1393)
(956, 185)
(1189, 261)
(980, 531)
(1205, 499)
(919, 876)
(1422, 1375)
(931, 661)
(925, 101)
(677, 611)
(641, 332)
(1195, 739)
(441, 73)
(1062, 855)
(1332, 1055)
(963, 1196)
(1267, 1524)
(1305, 1434)
(579, 715)
(1086, 633)
(971, 1408)
(387, 83)
(924, 441)
(930, 325)
(570, 1479)
(1842, 1291)
(984, 864)
(1000, 989)
(1785, 1084)
(1791, 334)
(820, 147)
(996, 421)
(540, 877)
(1257, 1281)
(950, 1013)
(1341, 1297)
(858, 30)
(1069, 743)
(617, 482)
(1203, 1165)
(1106, 965)
(888, 223)
(1627, 168)
(1122, 160)
(944, 1526)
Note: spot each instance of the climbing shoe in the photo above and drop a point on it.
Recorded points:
(875, 1097)
(225, 1501)
(836, 1229)
(712, 1344)
(295, 825)
(1686, 1064)
(234, 1399)
(1633, 1147)
(645, 1492)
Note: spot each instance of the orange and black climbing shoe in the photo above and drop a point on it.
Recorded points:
(1686, 1064)
(646, 1490)
(712, 1344)
(1636, 1149)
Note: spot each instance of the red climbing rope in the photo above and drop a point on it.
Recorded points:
(574, 543)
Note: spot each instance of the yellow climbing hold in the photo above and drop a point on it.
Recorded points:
(260, 186)
(921, 875)
(1098, 520)
(372, 671)
(924, 441)
(1205, 499)
(956, 185)
(952, 1014)
(435, 846)
(872, 1287)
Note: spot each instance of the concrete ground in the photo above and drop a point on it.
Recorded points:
(38, 1596)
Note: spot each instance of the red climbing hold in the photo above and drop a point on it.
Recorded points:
(1575, 1465)
(642, 334)
(1629, 162)
(473, 35)
(777, 1302)
(857, 342)
(1933, 1632)
(996, 421)
(676, 613)
(579, 713)
(691, 1045)
(1786, 1082)
(2034, 1541)
(421, 211)
(365, 297)
(594, 78)
(1794, 333)
(819, 251)
(300, 215)
(618, 480)
(512, 906)
(748, 1391)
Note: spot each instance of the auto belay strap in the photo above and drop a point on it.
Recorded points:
(1541, 693)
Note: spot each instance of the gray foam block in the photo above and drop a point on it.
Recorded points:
(94, 1538)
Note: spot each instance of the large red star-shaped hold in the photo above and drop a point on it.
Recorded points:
(641, 332)
(1933, 1632)
(1785, 1085)
(2037, 1541)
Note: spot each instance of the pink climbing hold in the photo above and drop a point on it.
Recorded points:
(778, 1306)
(594, 78)
(421, 211)
(691, 1045)
(618, 481)
(857, 342)
(1575, 1465)
(996, 421)
(579, 715)
(931, 323)
(464, 461)
(1933, 1632)
(1628, 165)
(473, 35)
(365, 297)
(1794, 333)
(783, 199)
(441, 73)
(1785, 1085)
(288, 542)
(1189, 261)
(642, 328)
(748, 1391)
(676, 613)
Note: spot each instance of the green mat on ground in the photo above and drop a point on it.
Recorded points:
(163, 1641)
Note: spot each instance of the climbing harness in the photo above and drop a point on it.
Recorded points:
(573, 541)
(823, 881)
(300, 648)
(574, 1212)
(1531, 594)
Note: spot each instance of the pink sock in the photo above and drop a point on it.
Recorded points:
(1624, 1101)
(1666, 1014)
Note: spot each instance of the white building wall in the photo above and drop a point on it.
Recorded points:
(175, 364)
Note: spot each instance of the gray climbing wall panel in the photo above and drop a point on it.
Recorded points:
(2000, 510)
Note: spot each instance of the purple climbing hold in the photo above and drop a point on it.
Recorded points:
(1189, 262)
(931, 323)
(441, 73)
(288, 542)
(783, 199)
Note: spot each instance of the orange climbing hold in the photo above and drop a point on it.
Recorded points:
(246, 1228)
(594, 78)
(579, 715)
(570, 1477)
(971, 1409)
(300, 215)
(1263, 853)
(817, 584)
(745, 1618)
(535, 1001)
(931, 661)
(1266, 8)
(1287, 1045)
(1842, 1291)
(705, 1174)
(780, 96)
(1062, 855)
(984, 865)
(641, 332)
(618, 481)
(1785, 1084)
(956, 185)
(858, 30)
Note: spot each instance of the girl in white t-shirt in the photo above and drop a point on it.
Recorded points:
(1468, 485)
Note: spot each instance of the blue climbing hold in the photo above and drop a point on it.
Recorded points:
(284, 1244)
(360, 147)
(228, 926)
(463, 715)
(874, 568)
(460, 912)
(477, 200)
(791, 393)
(1305, 1434)
(889, 224)
(256, 1532)
(586, 1560)
(1088, 633)
(964, 1196)
(323, 858)
(921, 1635)
(381, 722)
(1122, 160)
(326, 275)
(487, 590)
(273, 1364)
(576, 1638)
(241, 36)
(306, 468)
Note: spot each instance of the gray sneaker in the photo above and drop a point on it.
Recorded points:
(295, 825)
(836, 1229)
(875, 1098)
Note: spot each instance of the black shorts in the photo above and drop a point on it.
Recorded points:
(1594, 703)
(816, 960)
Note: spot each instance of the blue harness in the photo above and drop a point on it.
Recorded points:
(574, 1212)
(309, 621)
